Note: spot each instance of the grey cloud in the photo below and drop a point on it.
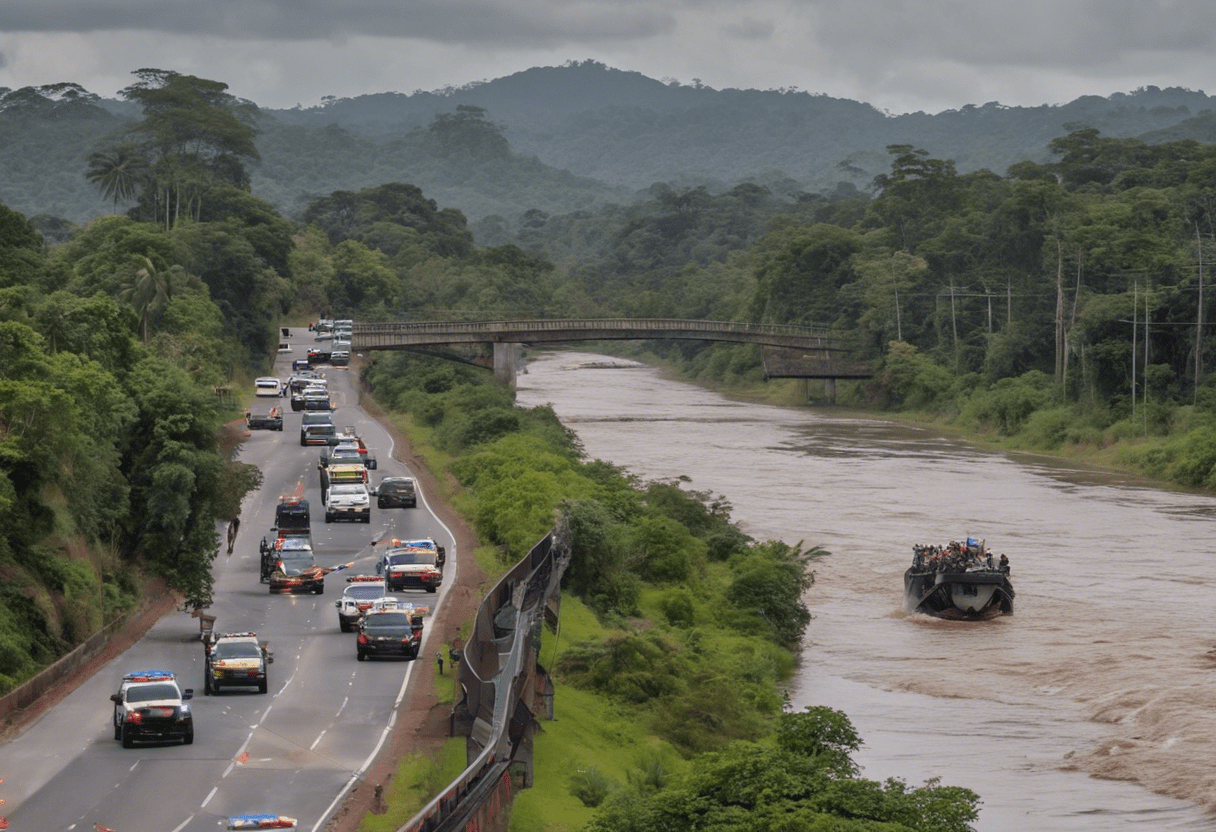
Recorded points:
(750, 29)
(1033, 33)
(446, 21)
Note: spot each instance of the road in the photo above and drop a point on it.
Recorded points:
(295, 750)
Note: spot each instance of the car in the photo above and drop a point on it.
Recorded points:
(322, 434)
(235, 660)
(344, 453)
(315, 398)
(319, 356)
(270, 420)
(389, 632)
(150, 705)
(300, 364)
(405, 566)
(397, 492)
(268, 386)
(295, 569)
(297, 381)
(340, 358)
(349, 436)
(359, 596)
(349, 501)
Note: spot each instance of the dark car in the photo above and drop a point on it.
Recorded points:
(397, 492)
(297, 571)
(300, 364)
(236, 660)
(318, 435)
(391, 633)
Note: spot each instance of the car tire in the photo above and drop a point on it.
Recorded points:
(329, 518)
(367, 518)
(361, 656)
(372, 465)
(431, 588)
(320, 589)
(128, 740)
(188, 739)
(263, 685)
(117, 731)
(206, 685)
(381, 504)
(343, 626)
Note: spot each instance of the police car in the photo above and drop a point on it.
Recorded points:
(236, 660)
(150, 705)
(261, 822)
(412, 564)
(363, 591)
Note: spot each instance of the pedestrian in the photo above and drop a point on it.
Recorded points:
(439, 658)
(233, 528)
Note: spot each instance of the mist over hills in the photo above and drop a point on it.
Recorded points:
(580, 136)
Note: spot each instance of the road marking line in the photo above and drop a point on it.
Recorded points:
(317, 740)
(209, 796)
(183, 824)
(228, 770)
(132, 768)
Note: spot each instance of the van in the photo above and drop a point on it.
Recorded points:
(268, 386)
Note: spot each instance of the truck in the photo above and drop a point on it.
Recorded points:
(292, 519)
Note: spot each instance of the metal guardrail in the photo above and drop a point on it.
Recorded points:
(491, 677)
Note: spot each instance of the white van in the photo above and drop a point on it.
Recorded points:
(268, 386)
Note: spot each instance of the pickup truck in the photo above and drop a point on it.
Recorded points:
(271, 420)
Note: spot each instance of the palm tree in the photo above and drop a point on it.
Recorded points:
(151, 289)
(117, 172)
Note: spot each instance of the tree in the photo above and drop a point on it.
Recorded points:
(151, 288)
(118, 173)
(194, 135)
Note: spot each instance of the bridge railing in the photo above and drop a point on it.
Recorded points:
(624, 324)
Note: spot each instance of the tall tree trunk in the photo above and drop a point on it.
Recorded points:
(1059, 311)
(1073, 321)
(1135, 310)
(1199, 316)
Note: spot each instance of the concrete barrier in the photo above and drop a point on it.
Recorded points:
(27, 692)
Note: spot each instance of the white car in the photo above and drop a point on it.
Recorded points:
(268, 386)
(359, 597)
(348, 501)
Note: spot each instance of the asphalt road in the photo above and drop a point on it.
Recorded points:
(307, 740)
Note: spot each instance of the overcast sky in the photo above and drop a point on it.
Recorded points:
(899, 55)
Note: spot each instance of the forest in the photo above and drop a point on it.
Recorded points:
(1061, 304)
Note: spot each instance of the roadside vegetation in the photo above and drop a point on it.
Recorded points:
(677, 633)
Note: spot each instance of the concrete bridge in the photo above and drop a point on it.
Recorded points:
(809, 352)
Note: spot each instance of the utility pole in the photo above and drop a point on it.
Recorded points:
(899, 327)
(1199, 316)
(1135, 309)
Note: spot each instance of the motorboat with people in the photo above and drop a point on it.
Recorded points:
(958, 581)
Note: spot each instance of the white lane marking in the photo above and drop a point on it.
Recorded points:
(264, 715)
(183, 824)
(228, 770)
(342, 707)
(132, 768)
(209, 796)
(317, 740)
(341, 794)
(387, 728)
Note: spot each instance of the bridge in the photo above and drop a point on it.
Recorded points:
(795, 351)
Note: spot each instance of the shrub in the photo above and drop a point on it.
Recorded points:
(591, 786)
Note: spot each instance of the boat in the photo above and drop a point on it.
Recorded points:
(959, 581)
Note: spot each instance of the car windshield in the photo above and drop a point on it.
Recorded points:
(387, 621)
(344, 453)
(408, 558)
(364, 593)
(148, 693)
(396, 485)
(346, 490)
(296, 565)
(237, 650)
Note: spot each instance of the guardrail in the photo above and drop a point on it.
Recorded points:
(494, 670)
(630, 324)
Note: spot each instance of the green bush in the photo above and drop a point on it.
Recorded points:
(591, 786)
(678, 607)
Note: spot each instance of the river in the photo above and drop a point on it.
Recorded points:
(1091, 708)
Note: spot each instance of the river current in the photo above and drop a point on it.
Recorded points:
(1093, 707)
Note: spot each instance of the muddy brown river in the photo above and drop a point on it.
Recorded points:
(1093, 707)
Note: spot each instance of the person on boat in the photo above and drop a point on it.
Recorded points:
(1004, 565)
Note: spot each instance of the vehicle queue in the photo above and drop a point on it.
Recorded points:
(150, 705)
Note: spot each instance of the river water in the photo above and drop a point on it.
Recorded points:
(1091, 708)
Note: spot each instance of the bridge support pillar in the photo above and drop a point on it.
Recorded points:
(829, 390)
(505, 362)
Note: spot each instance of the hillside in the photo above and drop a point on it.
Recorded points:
(580, 136)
